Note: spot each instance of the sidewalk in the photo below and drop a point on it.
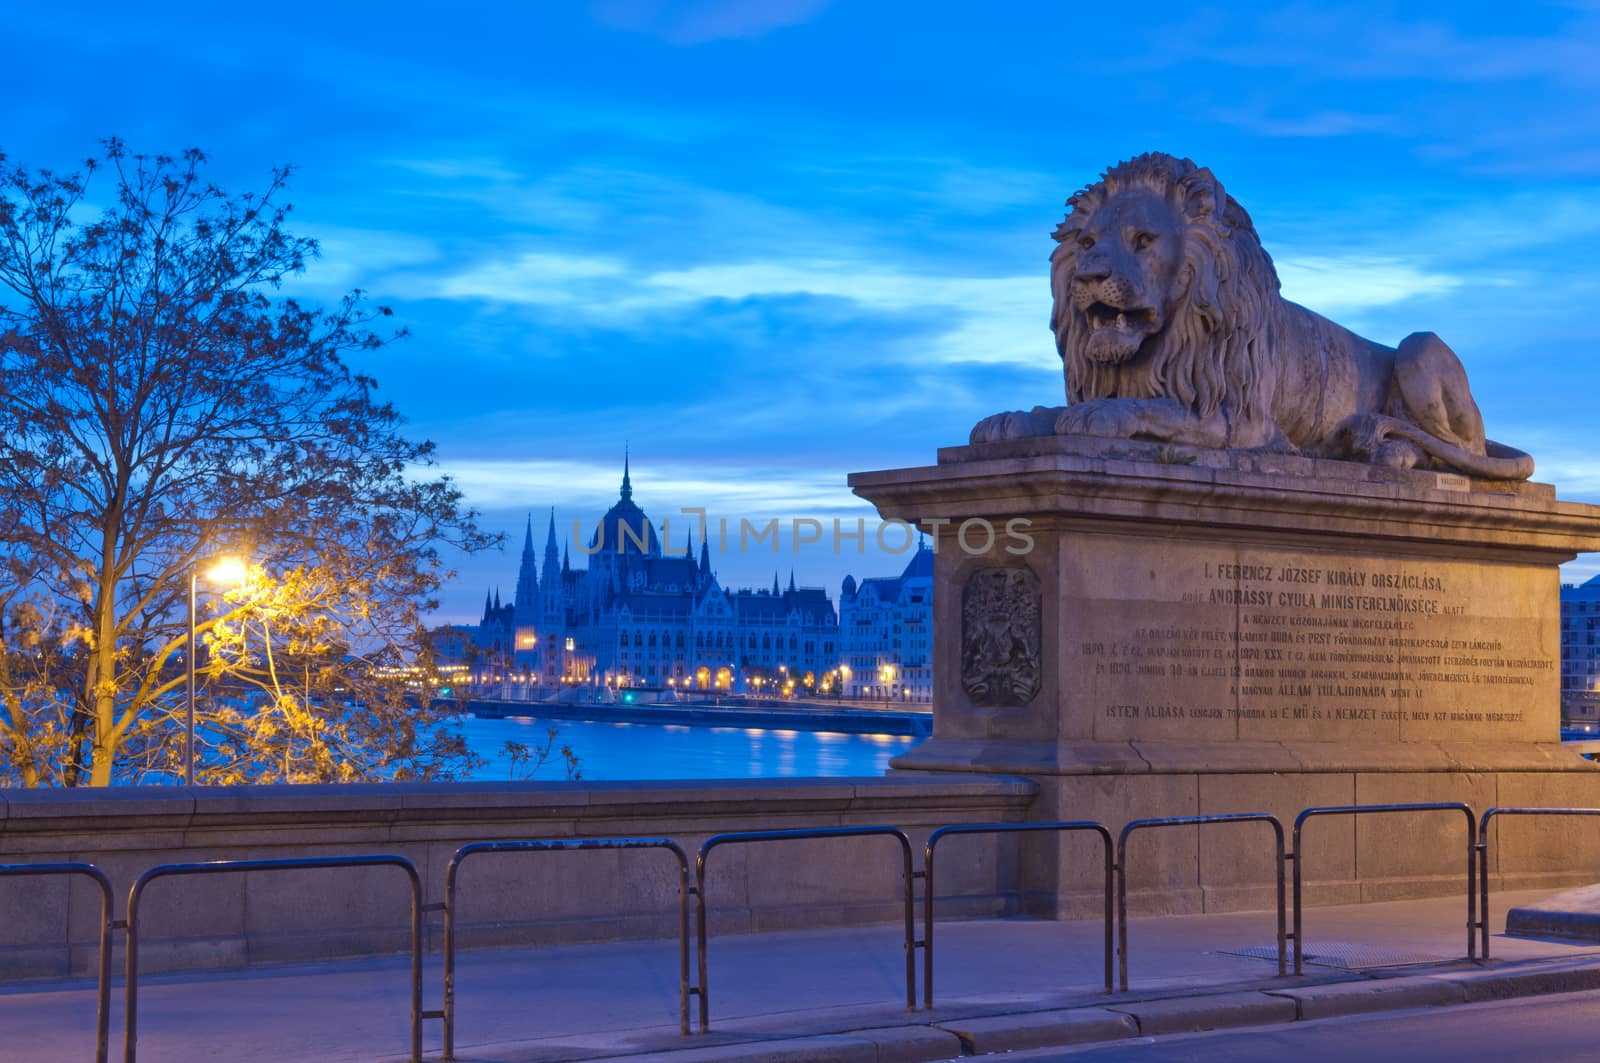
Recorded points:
(798, 997)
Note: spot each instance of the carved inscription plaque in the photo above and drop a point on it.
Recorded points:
(1224, 643)
(1000, 636)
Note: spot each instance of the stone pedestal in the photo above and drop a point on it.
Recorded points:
(1158, 631)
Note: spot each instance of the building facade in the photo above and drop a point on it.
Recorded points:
(636, 615)
(886, 628)
(1580, 653)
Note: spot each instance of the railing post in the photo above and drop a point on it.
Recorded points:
(927, 920)
(449, 1033)
(701, 936)
(1110, 873)
(416, 962)
(1122, 909)
(1277, 831)
(1299, 861)
(911, 926)
(1483, 882)
(1472, 909)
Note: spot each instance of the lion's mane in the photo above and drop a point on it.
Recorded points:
(1211, 351)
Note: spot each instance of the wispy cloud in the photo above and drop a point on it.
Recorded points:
(983, 319)
(1319, 123)
(360, 258)
(585, 489)
(1357, 282)
(1373, 46)
(537, 279)
(462, 169)
(699, 21)
(1569, 463)
(993, 320)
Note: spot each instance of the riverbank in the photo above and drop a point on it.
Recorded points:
(805, 716)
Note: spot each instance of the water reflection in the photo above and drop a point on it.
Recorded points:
(616, 750)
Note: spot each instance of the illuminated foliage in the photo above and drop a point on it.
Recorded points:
(160, 404)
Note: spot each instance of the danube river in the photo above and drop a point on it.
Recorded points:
(615, 750)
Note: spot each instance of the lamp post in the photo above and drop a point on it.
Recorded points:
(227, 570)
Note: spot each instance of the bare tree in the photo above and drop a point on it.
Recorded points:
(160, 404)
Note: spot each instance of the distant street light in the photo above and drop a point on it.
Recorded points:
(229, 571)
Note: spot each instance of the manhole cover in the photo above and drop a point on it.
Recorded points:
(1343, 954)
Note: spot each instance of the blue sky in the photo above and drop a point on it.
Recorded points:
(769, 242)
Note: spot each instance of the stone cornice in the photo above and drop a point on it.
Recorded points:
(1074, 479)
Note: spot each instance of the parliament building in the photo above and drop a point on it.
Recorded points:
(639, 616)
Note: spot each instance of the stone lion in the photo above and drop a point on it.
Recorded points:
(1169, 322)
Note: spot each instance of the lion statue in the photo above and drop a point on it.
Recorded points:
(1169, 323)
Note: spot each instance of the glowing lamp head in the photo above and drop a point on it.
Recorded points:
(227, 572)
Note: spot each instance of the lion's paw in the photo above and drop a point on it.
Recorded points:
(1014, 424)
(1364, 436)
(1099, 417)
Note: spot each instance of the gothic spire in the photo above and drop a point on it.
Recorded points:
(527, 594)
(627, 487)
(791, 581)
(552, 553)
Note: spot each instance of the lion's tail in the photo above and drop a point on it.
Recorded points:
(1520, 462)
(1362, 438)
(1499, 462)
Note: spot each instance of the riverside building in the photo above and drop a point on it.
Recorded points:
(1580, 652)
(886, 627)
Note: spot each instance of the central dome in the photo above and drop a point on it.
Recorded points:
(625, 526)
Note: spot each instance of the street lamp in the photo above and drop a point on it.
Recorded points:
(229, 571)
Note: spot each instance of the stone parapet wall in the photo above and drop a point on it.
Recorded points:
(1347, 859)
(50, 925)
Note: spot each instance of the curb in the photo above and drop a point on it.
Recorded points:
(1042, 1029)
(955, 1038)
(1193, 1014)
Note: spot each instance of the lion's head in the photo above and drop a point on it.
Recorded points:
(1160, 287)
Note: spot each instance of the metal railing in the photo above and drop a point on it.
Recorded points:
(1115, 921)
(559, 845)
(1298, 857)
(131, 1034)
(742, 837)
(1482, 849)
(1004, 828)
(102, 1020)
(1189, 821)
